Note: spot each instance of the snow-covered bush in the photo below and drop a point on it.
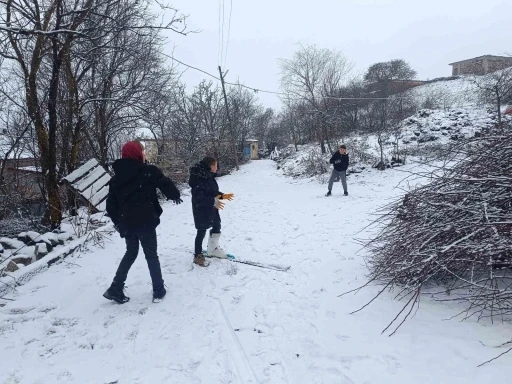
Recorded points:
(360, 150)
(314, 163)
(452, 238)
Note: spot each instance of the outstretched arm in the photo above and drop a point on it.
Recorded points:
(166, 185)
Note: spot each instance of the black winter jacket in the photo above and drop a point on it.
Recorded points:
(204, 190)
(340, 161)
(132, 202)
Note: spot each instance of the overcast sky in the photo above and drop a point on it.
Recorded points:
(428, 34)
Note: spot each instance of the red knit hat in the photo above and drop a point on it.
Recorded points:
(132, 150)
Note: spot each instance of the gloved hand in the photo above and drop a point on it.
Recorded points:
(178, 201)
(218, 204)
(227, 196)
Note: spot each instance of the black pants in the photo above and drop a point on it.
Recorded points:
(201, 233)
(147, 239)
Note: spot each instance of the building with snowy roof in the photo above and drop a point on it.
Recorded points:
(481, 65)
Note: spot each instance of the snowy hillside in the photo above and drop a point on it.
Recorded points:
(234, 323)
(453, 124)
(446, 93)
(414, 134)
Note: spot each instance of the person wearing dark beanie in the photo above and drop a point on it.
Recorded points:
(133, 207)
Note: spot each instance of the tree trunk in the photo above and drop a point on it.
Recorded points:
(498, 100)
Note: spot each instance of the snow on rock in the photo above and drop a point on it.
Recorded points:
(33, 237)
(11, 243)
(22, 236)
(66, 236)
(233, 323)
(8, 266)
(51, 237)
(453, 124)
(23, 259)
(41, 250)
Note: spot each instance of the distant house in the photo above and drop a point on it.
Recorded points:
(481, 65)
(251, 149)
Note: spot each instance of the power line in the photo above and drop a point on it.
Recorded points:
(219, 39)
(256, 90)
(222, 44)
(229, 31)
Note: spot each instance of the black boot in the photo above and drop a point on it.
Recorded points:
(328, 193)
(159, 293)
(116, 293)
(345, 193)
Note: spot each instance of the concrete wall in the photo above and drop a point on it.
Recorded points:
(480, 65)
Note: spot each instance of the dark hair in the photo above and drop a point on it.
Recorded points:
(343, 146)
(209, 160)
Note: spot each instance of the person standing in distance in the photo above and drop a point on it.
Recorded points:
(340, 161)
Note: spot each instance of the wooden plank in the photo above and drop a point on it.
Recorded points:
(102, 206)
(100, 196)
(96, 187)
(90, 179)
(81, 171)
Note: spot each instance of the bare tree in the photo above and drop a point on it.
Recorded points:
(495, 88)
(56, 47)
(311, 75)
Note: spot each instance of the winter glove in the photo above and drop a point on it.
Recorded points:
(227, 196)
(218, 204)
(178, 201)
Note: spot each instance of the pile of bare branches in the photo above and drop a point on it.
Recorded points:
(452, 238)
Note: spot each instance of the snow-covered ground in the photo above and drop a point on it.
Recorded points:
(447, 93)
(232, 323)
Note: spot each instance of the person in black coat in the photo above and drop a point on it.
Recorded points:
(340, 161)
(206, 203)
(133, 207)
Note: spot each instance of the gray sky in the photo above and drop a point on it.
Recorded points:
(429, 35)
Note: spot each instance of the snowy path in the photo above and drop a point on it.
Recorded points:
(232, 323)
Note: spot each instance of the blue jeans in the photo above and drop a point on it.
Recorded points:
(147, 239)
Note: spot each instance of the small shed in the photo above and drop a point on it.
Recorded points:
(251, 149)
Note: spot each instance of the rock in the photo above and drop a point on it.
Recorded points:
(22, 259)
(11, 266)
(41, 250)
(26, 250)
(22, 236)
(11, 243)
(52, 238)
(63, 237)
(33, 238)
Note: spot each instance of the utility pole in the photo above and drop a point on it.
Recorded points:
(229, 118)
